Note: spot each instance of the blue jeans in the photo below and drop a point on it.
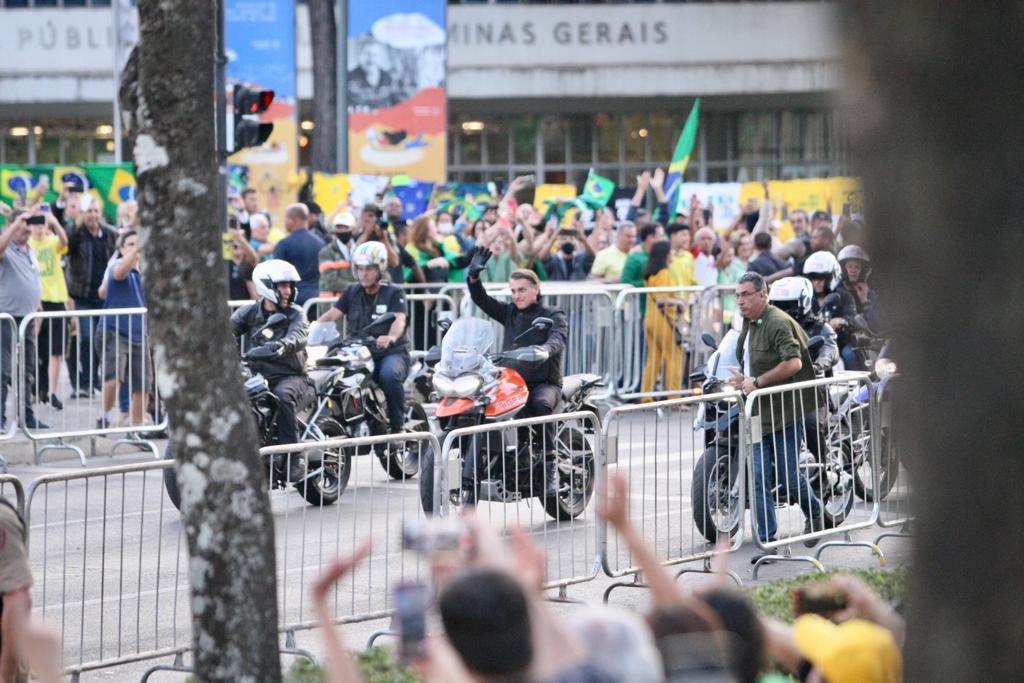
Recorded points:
(850, 360)
(88, 363)
(390, 372)
(781, 450)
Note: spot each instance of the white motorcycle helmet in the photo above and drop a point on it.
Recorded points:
(792, 295)
(852, 252)
(823, 263)
(270, 273)
(369, 254)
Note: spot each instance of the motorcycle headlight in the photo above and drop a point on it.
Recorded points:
(885, 368)
(462, 386)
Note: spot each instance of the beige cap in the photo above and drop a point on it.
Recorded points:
(346, 219)
(14, 570)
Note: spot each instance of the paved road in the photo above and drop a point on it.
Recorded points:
(111, 573)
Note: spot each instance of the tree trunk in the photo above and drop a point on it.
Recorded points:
(933, 102)
(324, 35)
(225, 507)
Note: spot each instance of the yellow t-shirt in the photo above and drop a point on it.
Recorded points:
(48, 252)
(682, 270)
(609, 262)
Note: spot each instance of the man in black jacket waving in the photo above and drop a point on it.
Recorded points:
(543, 379)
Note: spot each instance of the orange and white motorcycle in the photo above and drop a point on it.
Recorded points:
(503, 466)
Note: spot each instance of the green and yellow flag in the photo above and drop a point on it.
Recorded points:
(597, 191)
(681, 159)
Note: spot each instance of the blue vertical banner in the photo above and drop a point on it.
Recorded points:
(397, 97)
(261, 53)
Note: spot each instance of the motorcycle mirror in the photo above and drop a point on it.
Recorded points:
(815, 342)
(861, 323)
(543, 324)
(831, 300)
(381, 322)
(276, 319)
(433, 355)
(709, 340)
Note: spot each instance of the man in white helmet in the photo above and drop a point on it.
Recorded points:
(277, 284)
(836, 307)
(363, 302)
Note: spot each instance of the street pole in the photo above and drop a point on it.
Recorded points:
(221, 115)
(341, 82)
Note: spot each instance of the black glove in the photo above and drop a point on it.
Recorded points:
(481, 254)
(276, 347)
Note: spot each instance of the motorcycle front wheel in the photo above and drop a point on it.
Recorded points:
(330, 482)
(401, 460)
(575, 474)
(171, 481)
(715, 493)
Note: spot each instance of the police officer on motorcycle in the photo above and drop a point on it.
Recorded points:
(277, 284)
(543, 379)
(793, 295)
(363, 302)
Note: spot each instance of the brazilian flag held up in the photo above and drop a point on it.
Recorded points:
(681, 159)
(597, 191)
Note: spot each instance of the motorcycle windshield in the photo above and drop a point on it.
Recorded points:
(723, 361)
(465, 346)
(323, 334)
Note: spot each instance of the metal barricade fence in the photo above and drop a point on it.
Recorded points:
(802, 451)
(654, 341)
(10, 386)
(890, 474)
(11, 485)
(310, 533)
(501, 468)
(115, 375)
(110, 561)
(686, 480)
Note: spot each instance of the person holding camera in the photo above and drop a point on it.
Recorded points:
(20, 295)
(50, 242)
(544, 380)
(575, 254)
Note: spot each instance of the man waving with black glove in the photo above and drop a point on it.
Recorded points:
(544, 379)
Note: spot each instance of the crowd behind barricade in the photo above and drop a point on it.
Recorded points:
(63, 256)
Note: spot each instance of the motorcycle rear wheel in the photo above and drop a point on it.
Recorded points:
(713, 493)
(326, 487)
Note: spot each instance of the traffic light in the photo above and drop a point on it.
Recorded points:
(251, 102)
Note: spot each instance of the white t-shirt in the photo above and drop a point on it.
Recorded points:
(705, 270)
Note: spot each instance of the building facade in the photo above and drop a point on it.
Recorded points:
(548, 88)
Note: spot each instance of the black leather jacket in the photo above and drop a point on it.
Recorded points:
(828, 355)
(516, 322)
(247, 321)
(80, 258)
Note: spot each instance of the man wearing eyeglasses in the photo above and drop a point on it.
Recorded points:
(772, 350)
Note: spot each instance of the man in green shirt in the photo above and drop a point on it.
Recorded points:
(772, 350)
(636, 262)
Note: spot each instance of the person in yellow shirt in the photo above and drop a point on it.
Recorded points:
(50, 242)
(665, 354)
(681, 260)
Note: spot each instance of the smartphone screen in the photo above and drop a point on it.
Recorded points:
(410, 613)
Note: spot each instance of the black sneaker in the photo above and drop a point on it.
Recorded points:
(757, 556)
(32, 422)
(56, 402)
(810, 527)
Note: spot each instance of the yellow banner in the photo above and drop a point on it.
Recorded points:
(835, 195)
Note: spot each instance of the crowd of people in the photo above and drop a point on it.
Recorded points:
(64, 257)
(494, 623)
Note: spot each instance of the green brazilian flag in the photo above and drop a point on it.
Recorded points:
(597, 191)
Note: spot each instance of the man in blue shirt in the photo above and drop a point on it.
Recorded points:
(123, 344)
(301, 248)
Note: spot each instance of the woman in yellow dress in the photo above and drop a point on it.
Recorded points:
(664, 342)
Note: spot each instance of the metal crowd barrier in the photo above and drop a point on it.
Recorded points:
(422, 309)
(11, 485)
(372, 505)
(801, 451)
(114, 367)
(686, 482)
(507, 486)
(111, 565)
(891, 477)
(656, 341)
(9, 378)
(713, 312)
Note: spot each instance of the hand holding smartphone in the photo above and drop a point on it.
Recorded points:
(410, 614)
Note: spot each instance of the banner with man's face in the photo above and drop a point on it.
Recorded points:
(397, 102)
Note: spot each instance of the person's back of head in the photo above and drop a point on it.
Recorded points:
(763, 241)
(688, 638)
(739, 617)
(486, 618)
(647, 232)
